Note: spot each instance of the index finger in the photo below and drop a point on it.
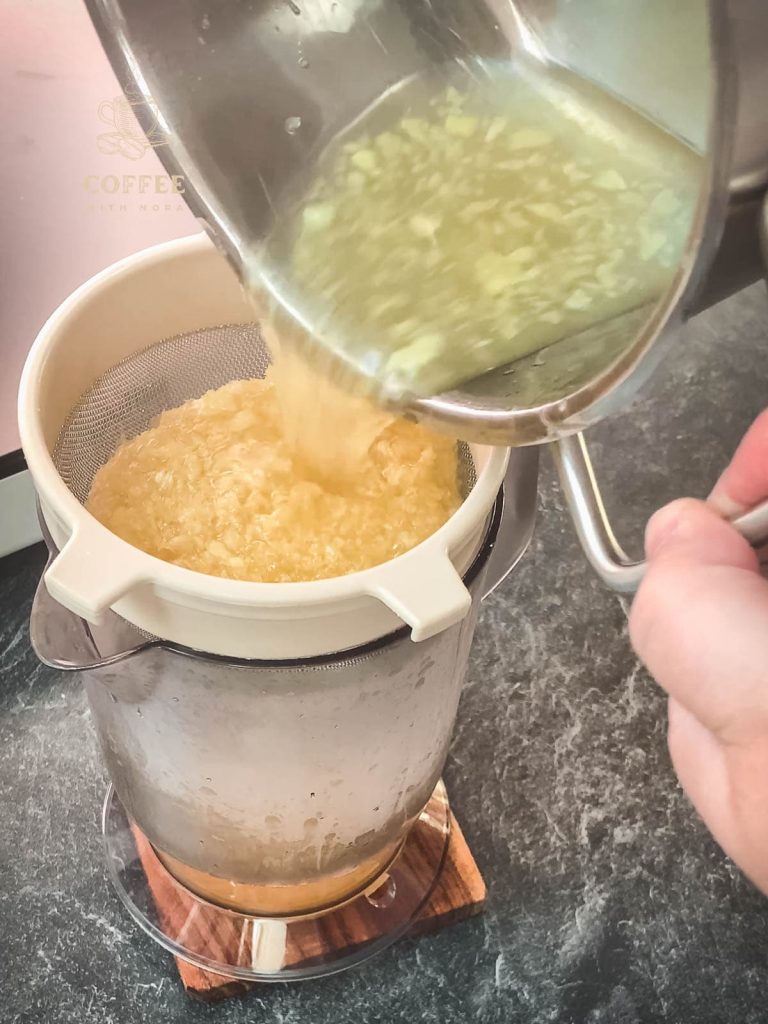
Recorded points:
(744, 483)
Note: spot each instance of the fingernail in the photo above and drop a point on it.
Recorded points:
(724, 505)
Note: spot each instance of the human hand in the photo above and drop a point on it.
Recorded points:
(700, 624)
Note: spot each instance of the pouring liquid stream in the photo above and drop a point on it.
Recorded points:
(495, 221)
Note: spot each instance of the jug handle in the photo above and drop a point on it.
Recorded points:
(593, 528)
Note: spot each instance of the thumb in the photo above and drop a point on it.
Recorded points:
(700, 620)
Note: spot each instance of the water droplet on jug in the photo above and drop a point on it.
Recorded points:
(175, 700)
(205, 22)
(208, 778)
(292, 125)
(294, 7)
(113, 698)
(139, 712)
(303, 62)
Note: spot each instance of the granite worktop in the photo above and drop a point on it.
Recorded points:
(608, 901)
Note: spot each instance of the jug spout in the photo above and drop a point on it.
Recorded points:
(61, 640)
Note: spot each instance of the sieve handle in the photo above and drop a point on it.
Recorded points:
(424, 589)
(89, 574)
(60, 638)
(605, 554)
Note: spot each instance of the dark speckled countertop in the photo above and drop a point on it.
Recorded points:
(608, 901)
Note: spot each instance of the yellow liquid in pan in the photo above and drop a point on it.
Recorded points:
(449, 234)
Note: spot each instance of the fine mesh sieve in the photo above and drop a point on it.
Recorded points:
(125, 400)
(157, 329)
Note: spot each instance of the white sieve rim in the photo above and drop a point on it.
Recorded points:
(96, 568)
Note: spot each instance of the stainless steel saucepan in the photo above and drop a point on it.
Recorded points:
(246, 94)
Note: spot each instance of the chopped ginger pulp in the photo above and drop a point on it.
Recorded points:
(214, 486)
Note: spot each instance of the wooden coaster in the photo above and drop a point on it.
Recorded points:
(458, 894)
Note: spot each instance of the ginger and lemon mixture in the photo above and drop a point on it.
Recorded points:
(487, 224)
(214, 486)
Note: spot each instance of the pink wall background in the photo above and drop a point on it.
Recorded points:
(54, 234)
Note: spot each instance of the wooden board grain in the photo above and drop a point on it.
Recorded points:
(458, 894)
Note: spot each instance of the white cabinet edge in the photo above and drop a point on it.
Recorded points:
(18, 515)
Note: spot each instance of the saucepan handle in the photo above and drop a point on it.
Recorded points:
(605, 554)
